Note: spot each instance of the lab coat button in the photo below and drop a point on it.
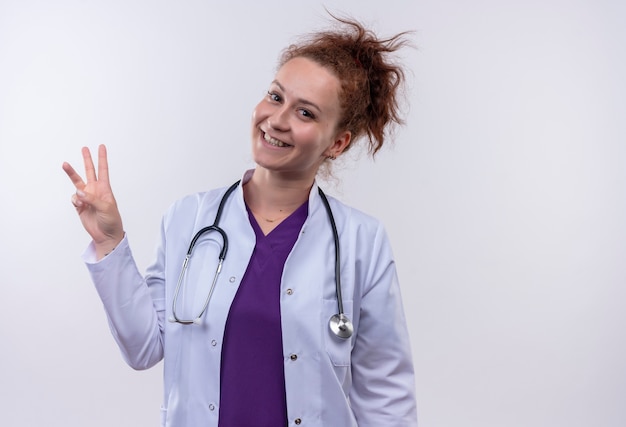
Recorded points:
(289, 291)
(213, 343)
(212, 407)
(298, 421)
(232, 279)
(294, 357)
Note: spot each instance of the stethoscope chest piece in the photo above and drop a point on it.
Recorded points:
(341, 326)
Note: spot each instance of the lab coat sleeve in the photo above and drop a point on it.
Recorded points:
(134, 304)
(383, 389)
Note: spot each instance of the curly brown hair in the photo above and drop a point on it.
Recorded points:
(370, 80)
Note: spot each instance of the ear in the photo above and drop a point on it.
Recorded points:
(342, 141)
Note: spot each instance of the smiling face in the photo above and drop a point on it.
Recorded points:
(294, 127)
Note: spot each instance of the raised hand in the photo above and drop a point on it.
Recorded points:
(95, 203)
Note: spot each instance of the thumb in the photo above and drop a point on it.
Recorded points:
(84, 198)
(91, 200)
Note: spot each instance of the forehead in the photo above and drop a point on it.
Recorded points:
(305, 79)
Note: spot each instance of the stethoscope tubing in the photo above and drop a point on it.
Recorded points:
(222, 256)
(339, 323)
(333, 226)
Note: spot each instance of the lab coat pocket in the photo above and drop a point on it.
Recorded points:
(339, 349)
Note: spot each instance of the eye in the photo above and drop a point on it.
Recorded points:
(273, 96)
(306, 113)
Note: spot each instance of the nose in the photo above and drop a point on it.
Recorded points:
(278, 120)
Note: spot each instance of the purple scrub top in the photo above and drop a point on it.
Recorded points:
(252, 388)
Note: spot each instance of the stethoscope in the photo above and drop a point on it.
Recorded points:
(339, 323)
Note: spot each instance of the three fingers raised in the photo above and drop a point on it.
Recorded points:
(90, 171)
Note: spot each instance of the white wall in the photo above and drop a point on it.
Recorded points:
(504, 196)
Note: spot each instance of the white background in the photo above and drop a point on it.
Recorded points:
(504, 195)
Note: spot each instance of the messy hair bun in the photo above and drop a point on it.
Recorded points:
(370, 80)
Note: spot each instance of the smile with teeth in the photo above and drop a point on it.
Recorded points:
(274, 142)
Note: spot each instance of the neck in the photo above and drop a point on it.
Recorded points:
(274, 196)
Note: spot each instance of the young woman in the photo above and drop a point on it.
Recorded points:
(299, 320)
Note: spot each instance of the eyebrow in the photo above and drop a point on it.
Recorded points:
(300, 100)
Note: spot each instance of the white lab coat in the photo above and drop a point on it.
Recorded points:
(364, 381)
